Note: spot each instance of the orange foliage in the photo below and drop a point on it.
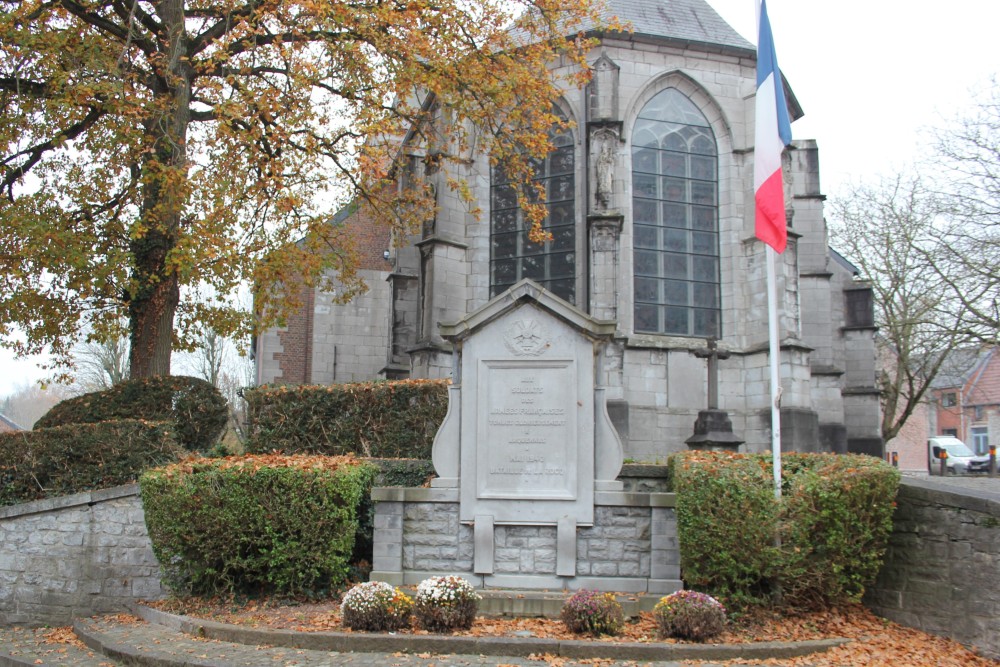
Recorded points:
(154, 161)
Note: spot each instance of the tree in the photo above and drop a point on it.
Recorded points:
(101, 365)
(966, 171)
(152, 153)
(887, 229)
(208, 359)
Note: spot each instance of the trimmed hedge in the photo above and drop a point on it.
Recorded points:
(197, 409)
(255, 524)
(836, 520)
(82, 457)
(387, 419)
(833, 520)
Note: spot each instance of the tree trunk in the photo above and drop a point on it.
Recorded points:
(155, 293)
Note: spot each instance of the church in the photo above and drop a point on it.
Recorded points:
(651, 212)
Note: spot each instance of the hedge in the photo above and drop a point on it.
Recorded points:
(387, 419)
(82, 457)
(255, 524)
(726, 517)
(197, 409)
(833, 522)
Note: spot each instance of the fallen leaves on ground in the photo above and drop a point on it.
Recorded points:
(875, 642)
(62, 636)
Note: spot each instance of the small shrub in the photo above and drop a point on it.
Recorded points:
(446, 603)
(196, 408)
(593, 613)
(689, 615)
(376, 606)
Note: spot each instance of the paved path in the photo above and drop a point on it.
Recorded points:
(157, 646)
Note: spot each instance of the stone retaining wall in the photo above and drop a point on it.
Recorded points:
(72, 556)
(942, 569)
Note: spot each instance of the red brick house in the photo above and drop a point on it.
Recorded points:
(966, 398)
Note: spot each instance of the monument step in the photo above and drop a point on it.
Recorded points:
(178, 641)
(548, 604)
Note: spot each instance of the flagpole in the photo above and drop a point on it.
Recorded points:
(774, 361)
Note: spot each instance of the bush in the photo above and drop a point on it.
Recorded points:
(446, 603)
(396, 419)
(834, 520)
(726, 523)
(376, 606)
(593, 613)
(71, 459)
(196, 408)
(255, 524)
(689, 615)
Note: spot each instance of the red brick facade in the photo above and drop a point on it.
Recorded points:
(968, 406)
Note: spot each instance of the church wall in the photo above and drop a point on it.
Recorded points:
(655, 385)
(351, 341)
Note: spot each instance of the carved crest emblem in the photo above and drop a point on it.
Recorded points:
(526, 338)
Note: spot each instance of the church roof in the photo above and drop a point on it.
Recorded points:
(691, 22)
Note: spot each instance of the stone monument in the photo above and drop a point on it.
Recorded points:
(527, 460)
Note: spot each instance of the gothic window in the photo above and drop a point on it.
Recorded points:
(675, 216)
(512, 255)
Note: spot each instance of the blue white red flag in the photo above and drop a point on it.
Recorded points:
(772, 133)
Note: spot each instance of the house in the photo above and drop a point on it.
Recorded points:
(651, 208)
(966, 398)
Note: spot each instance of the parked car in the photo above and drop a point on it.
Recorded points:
(961, 459)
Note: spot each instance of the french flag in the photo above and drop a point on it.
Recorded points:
(773, 132)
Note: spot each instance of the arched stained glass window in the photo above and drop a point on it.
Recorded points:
(512, 255)
(675, 219)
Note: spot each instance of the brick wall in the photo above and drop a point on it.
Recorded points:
(72, 556)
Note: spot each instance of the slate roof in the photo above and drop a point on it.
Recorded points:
(688, 21)
(959, 365)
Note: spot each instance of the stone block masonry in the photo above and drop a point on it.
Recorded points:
(942, 568)
(73, 556)
(631, 547)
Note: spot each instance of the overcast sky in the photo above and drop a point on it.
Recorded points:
(869, 74)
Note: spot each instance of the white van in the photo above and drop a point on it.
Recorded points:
(961, 459)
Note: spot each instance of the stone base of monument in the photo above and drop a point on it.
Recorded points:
(631, 547)
(713, 430)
